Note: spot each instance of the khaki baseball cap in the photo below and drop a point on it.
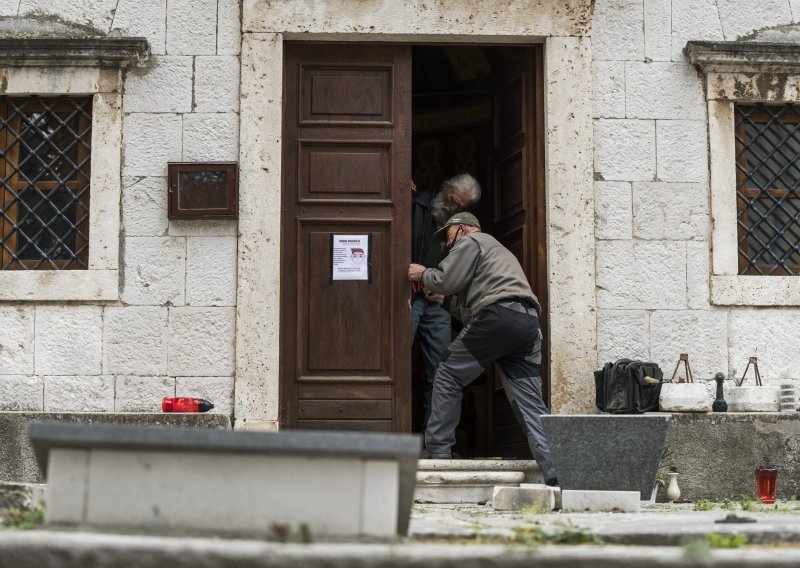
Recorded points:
(467, 219)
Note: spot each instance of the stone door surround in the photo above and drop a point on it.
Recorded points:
(563, 27)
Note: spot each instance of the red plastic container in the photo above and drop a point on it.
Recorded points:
(767, 483)
(185, 404)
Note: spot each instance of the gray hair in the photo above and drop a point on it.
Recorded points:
(466, 184)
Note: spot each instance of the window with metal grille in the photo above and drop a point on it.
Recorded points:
(768, 188)
(45, 160)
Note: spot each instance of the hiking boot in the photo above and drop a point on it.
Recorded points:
(552, 482)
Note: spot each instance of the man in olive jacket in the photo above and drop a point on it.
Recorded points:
(485, 286)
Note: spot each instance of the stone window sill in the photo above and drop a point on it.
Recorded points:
(755, 290)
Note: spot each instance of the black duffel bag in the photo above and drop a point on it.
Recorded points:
(621, 388)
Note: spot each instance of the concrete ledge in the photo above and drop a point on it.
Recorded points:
(717, 453)
(230, 483)
(17, 461)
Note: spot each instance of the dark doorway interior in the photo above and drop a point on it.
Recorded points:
(474, 110)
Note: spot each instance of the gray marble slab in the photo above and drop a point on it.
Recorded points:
(606, 452)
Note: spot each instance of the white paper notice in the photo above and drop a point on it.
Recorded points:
(350, 257)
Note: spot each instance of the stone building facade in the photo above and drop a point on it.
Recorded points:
(637, 163)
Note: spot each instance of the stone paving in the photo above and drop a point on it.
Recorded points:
(656, 525)
(463, 536)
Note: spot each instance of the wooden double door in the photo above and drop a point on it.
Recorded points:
(345, 343)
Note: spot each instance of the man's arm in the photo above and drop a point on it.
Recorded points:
(455, 272)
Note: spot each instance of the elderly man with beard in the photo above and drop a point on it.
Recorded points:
(428, 318)
(484, 286)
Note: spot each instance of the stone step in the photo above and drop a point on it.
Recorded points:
(470, 481)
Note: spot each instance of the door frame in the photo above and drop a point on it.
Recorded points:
(568, 175)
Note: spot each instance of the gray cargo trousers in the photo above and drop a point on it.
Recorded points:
(506, 333)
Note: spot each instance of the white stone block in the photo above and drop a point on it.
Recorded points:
(68, 340)
(155, 271)
(686, 397)
(203, 228)
(79, 393)
(67, 472)
(658, 29)
(211, 271)
(135, 340)
(618, 30)
(229, 27)
(141, 394)
(146, 18)
(612, 208)
(216, 84)
(611, 501)
(9, 7)
(97, 14)
(136, 489)
(641, 275)
(682, 150)
(164, 85)
(622, 335)
(663, 90)
(144, 206)
(697, 266)
(16, 340)
(201, 341)
(192, 27)
(149, 142)
(211, 137)
(740, 17)
(608, 89)
(694, 20)
(701, 334)
(555, 490)
(670, 211)
(752, 398)
(217, 390)
(625, 150)
(515, 498)
(771, 334)
(21, 393)
(380, 497)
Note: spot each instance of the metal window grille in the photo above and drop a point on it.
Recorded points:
(768, 188)
(45, 155)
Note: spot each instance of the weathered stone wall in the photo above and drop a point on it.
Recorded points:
(653, 221)
(172, 331)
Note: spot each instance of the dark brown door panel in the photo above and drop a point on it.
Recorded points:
(346, 162)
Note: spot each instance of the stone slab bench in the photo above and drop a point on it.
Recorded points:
(18, 464)
(260, 484)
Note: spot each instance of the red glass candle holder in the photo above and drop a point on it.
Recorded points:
(767, 483)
